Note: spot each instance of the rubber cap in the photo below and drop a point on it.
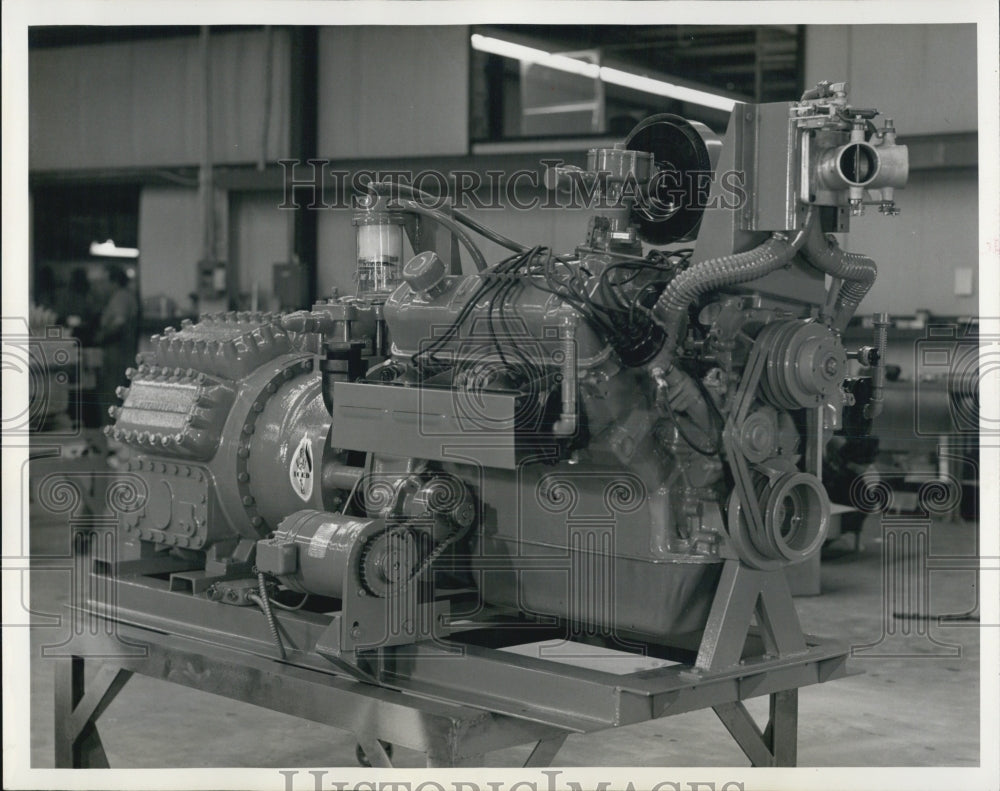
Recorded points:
(424, 271)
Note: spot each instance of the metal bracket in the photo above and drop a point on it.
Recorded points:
(742, 592)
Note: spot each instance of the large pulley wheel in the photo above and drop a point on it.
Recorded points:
(806, 364)
(684, 154)
(795, 511)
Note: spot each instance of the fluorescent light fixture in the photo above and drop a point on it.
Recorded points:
(660, 88)
(509, 49)
(108, 249)
(625, 79)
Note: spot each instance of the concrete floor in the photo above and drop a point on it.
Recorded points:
(920, 709)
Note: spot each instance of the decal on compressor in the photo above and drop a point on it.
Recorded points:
(300, 471)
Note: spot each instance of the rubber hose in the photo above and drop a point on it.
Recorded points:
(670, 310)
(857, 271)
(452, 225)
(388, 190)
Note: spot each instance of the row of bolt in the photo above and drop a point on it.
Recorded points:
(161, 537)
(141, 464)
(168, 345)
(243, 451)
(232, 316)
(166, 372)
(153, 439)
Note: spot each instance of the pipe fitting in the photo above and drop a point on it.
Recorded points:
(874, 407)
(567, 423)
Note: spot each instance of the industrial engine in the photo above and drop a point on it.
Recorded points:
(596, 441)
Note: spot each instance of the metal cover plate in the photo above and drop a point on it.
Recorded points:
(429, 423)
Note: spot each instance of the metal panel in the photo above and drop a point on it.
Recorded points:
(424, 423)
(755, 146)
(774, 171)
(375, 82)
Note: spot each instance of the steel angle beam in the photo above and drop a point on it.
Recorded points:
(582, 699)
(449, 732)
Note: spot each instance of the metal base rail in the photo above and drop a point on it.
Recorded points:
(449, 733)
(453, 699)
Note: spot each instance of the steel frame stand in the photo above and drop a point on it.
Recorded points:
(77, 742)
(449, 735)
(457, 698)
(743, 591)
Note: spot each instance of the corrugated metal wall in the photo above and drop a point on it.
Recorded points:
(141, 104)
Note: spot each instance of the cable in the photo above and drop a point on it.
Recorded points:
(502, 290)
(710, 451)
(636, 337)
(618, 316)
(488, 283)
(262, 600)
(532, 371)
(290, 608)
(387, 189)
(449, 222)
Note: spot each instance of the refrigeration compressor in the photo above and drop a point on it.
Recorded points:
(618, 445)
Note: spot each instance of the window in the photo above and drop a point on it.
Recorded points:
(531, 82)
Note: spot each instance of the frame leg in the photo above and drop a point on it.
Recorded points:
(68, 691)
(545, 751)
(77, 742)
(744, 730)
(777, 745)
(782, 733)
(376, 754)
(435, 761)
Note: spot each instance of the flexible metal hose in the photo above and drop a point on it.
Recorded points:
(261, 600)
(857, 271)
(670, 311)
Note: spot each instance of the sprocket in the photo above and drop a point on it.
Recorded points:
(388, 560)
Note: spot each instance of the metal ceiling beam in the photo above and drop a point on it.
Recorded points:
(786, 64)
(709, 51)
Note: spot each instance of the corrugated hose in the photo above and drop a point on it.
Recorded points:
(671, 309)
(857, 271)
